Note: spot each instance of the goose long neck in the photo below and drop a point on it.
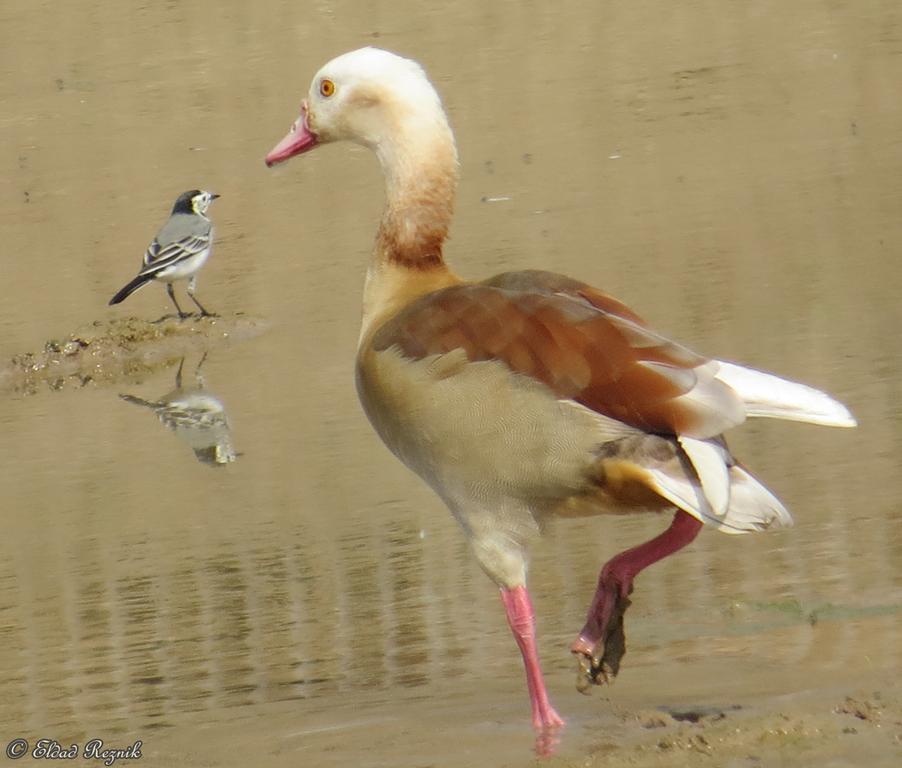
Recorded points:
(420, 168)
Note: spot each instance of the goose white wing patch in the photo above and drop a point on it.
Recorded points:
(710, 462)
(770, 396)
(752, 507)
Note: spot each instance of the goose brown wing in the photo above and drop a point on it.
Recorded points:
(581, 343)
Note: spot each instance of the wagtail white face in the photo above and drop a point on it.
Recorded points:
(179, 250)
(200, 201)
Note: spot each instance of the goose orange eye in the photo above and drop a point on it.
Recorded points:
(327, 88)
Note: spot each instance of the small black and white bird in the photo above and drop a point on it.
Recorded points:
(179, 250)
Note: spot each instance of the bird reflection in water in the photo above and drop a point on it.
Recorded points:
(196, 416)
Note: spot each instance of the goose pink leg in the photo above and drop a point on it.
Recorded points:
(601, 643)
(522, 620)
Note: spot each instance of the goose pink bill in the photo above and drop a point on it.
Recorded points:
(299, 139)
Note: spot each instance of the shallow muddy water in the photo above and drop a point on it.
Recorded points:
(732, 171)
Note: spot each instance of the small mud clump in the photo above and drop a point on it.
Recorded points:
(870, 711)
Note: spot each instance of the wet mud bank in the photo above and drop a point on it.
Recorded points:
(108, 351)
(826, 728)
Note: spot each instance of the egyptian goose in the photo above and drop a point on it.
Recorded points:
(530, 394)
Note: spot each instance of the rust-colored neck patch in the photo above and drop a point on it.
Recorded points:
(420, 249)
(420, 184)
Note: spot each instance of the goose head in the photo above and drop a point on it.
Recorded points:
(370, 97)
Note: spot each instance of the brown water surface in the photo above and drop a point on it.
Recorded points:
(731, 170)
